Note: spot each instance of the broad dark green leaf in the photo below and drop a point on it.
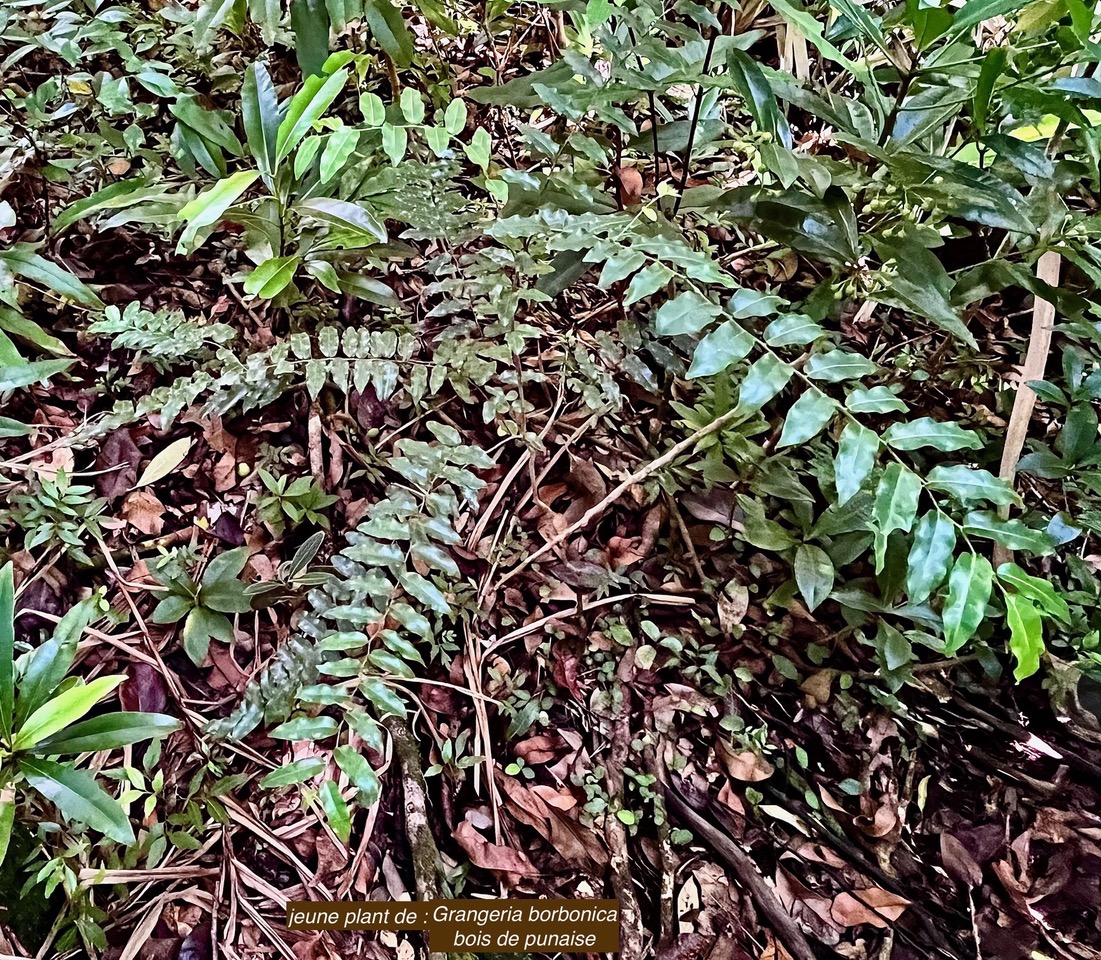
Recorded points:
(78, 797)
(808, 417)
(970, 485)
(389, 29)
(106, 733)
(754, 88)
(1037, 590)
(856, 453)
(310, 23)
(721, 348)
(927, 432)
(359, 772)
(896, 501)
(814, 574)
(969, 587)
(930, 556)
(1026, 634)
(260, 111)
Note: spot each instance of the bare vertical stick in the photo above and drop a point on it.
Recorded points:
(1039, 346)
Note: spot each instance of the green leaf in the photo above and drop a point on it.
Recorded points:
(807, 417)
(209, 206)
(814, 574)
(21, 260)
(164, 462)
(433, 556)
(1011, 534)
(7, 821)
(272, 276)
(310, 23)
(373, 109)
(291, 773)
(339, 147)
(687, 312)
(78, 797)
(993, 66)
(50, 662)
(336, 811)
(930, 555)
(306, 728)
(927, 432)
(172, 608)
(1037, 590)
(306, 108)
(260, 112)
(792, 330)
(7, 649)
(226, 567)
(424, 591)
(412, 105)
(837, 365)
(389, 29)
(382, 697)
(896, 501)
(106, 733)
(721, 348)
(478, 150)
(968, 594)
(394, 142)
(454, 118)
(969, 485)
(1026, 634)
(750, 82)
(874, 400)
(342, 213)
(359, 772)
(62, 710)
(766, 378)
(856, 453)
(648, 281)
(200, 626)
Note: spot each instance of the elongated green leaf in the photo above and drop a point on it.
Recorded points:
(837, 365)
(49, 664)
(336, 811)
(807, 417)
(291, 773)
(306, 108)
(310, 23)
(7, 649)
(22, 328)
(814, 574)
(209, 206)
(78, 797)
(305, 728)
(874, 400)
(382, 697)
(21, 260)
(65, 708)
(260, 110)
(1011, 534)
(927, 432)
(423, 590)
(342, 213)
(359, 772)
(930, 555)
(1026, 634)
(272, 276)
(896, 500)
(7, 821)
(389, 29)
(721, 348)
(1040, 591)
(856, 453)
(106, 733)
(968, 594)
(338, 149)
(749, 80)
(970, 485)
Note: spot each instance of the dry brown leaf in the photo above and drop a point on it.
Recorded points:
(746, 765)
(493, 856)
(873, 905)
(143, 511)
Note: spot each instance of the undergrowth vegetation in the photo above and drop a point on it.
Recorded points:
(563, 421)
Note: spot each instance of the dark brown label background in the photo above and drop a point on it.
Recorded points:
(506, 935)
